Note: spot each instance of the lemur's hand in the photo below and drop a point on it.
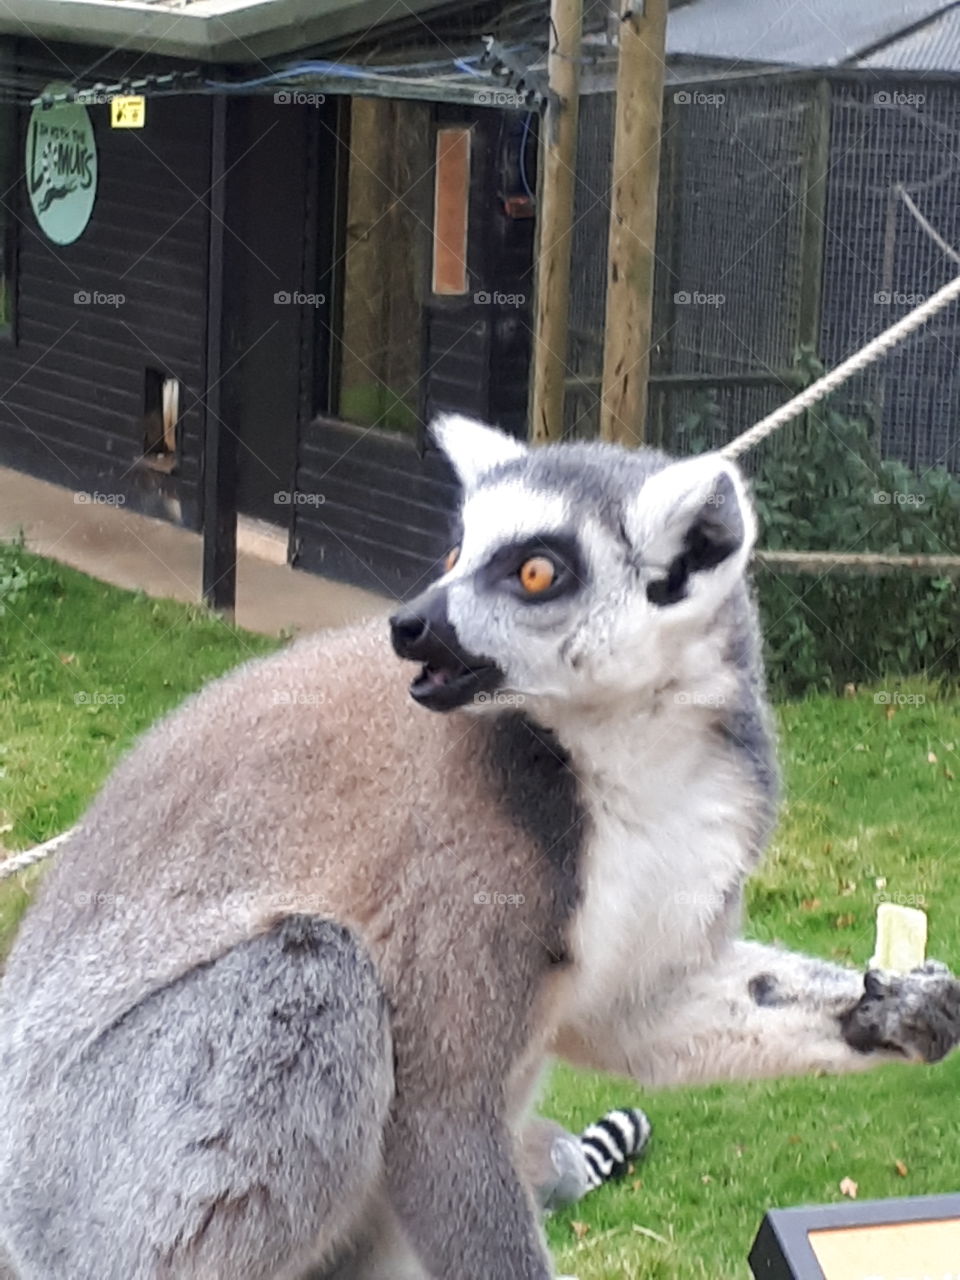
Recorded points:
(916, 1013)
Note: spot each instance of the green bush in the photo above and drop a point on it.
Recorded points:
(822, 485)
(823, 633)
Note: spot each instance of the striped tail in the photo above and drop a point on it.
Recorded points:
(609, 1145)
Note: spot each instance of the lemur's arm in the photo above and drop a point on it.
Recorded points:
(762, 1011)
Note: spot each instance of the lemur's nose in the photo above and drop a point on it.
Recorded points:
(406, 628)
(421, 631)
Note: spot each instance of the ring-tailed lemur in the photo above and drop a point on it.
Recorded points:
(287, 991)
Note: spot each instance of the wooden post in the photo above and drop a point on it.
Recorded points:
(633, 221)
(555, 221)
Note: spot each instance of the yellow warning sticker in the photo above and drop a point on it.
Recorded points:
(128, 112)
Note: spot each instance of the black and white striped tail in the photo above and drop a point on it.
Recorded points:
(609, 1145)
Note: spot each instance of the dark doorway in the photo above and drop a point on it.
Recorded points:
(272, 307)
(478, 328)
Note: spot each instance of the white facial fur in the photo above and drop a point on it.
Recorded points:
(473, 448)
(605, 640)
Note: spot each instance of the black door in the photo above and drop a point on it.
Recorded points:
(478, 344)
(271, 287)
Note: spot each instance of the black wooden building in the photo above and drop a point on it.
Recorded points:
(276, 289)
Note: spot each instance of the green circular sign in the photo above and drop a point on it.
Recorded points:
(61, 167)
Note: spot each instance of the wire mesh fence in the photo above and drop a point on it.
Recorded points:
(782, 227)
(879, 262)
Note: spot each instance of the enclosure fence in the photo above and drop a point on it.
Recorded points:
(783, 229)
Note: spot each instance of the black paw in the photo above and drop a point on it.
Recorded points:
(916, 1013)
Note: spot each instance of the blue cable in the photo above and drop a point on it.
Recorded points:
(466, 65)
(336, 69)
(523, 155)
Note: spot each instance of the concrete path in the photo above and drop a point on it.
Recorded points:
(162, 559)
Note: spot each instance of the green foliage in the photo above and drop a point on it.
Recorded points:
(823, 633)
(17, 574)
(374, 404)
(822, 485)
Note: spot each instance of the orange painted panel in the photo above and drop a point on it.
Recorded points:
(451, 212)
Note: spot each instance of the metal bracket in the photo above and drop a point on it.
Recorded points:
(516, 75)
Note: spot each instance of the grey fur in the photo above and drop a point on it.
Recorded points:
(916, 1013)
(285, 996)
(165, 888)
(554, 1164)
(212, 1075)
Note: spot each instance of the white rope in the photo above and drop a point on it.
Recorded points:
(928, 227)
(26, 858)
(836, 377)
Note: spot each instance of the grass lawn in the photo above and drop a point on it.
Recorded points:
(872, 797)
(84, 668)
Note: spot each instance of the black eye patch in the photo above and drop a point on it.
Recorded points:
(502, 571)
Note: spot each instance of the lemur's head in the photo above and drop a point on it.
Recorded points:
(581, 572)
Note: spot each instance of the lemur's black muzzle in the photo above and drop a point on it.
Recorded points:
(450, 676)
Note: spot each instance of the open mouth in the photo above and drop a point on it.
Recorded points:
(441, 688)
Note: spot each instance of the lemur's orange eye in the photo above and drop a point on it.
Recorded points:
(453, 555)
(537, 574)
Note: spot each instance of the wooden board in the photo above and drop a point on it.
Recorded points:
(897, 1251)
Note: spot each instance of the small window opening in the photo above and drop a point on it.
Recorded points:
(161, 419)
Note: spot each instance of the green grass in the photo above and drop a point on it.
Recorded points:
(84, 668)
(865, 802)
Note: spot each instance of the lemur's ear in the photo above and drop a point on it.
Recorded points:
(472, 448)
(691, 521)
